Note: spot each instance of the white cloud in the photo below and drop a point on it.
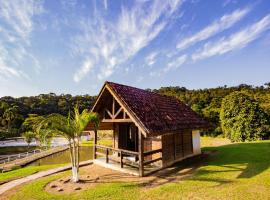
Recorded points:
(105, 2)
(15, 33)
(176, 63)
(18, 15)
(235, 41)
(151, 58)
(112, 43)
(86, 67)
(225, 22)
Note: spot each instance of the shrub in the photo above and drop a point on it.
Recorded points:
(242, 119)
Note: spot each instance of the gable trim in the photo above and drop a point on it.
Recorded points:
(131, 114)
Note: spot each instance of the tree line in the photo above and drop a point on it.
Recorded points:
(219, 105)
(14, 111)
(206, 102)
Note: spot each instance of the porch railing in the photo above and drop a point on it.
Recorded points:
(122, 153)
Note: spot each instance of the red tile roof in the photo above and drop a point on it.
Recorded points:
(158, 113)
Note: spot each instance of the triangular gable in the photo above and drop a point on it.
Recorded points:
(112, 108)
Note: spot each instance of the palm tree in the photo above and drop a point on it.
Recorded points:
(70, 127)
(10, 114)
(28, 136)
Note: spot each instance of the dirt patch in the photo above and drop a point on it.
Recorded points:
(94, 175)
(90, 177)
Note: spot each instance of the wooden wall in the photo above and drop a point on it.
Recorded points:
(176, 146)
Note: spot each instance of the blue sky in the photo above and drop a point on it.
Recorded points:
(73, 46)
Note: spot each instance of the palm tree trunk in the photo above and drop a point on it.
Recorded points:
(78, 154)
(75, 176)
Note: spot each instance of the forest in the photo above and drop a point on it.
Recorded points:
(206, 102)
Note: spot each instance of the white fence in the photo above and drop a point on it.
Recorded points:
(8, 158)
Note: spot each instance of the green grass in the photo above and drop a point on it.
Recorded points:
(107, 142)
(24, 172)
(210, 141)
(236, 171)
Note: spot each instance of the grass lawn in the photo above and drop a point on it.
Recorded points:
(213, 142)
(235, 171)
(106, 142)
(24, 172)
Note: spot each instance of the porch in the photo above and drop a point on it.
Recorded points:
(126, 161)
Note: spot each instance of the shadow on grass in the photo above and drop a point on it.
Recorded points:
(224, 165)
(246, 159)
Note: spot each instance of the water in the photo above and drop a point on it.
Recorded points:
(86, 153)
(15, 150)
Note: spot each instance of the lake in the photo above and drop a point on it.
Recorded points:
(86, 153)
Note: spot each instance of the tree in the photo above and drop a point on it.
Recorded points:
(70, 127)
(242, 119)
(10, 114)
(28, 136)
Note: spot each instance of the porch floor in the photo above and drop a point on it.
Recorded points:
(116, 166)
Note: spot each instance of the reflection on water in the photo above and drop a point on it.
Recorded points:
(14, 150)
(86, 153)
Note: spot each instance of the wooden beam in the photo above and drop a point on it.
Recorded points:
(113, 107)
(141, 157)
(100, 154)
(118, 112)
(147, 153)
(116, 120)
(109, 113)
(152, 161)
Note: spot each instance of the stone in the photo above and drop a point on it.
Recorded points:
(77, 188)
(67, 180)
(60, 190)
(53, 186)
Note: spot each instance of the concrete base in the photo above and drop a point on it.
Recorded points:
(116, 166)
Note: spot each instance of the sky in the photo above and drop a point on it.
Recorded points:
(74, 46)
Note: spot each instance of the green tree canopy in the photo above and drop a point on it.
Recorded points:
(242, 119)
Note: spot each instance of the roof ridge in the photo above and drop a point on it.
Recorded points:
(144, 90)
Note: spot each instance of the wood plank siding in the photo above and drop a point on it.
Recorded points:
(176, 146)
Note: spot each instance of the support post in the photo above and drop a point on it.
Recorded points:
(121, 159)
(141, 156)
(107, 155)
(95, 143)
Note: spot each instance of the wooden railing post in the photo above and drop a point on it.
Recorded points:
(95, 143)
(107, 155)
(121, 159)
(141, 154)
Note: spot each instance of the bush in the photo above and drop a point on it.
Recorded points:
(242, 119)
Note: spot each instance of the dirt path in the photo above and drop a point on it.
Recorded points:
(7, 186)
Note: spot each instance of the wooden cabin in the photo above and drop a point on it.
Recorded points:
(150, 131)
